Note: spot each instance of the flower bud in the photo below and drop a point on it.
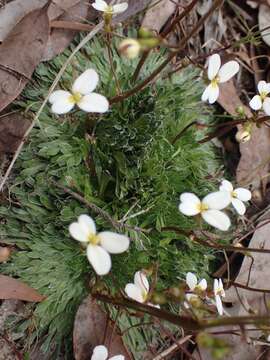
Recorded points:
(243, 136)
(129, 48)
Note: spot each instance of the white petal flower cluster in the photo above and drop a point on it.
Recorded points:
(209, 208)
(81, 95)
(261, 101)
(101, 5)
(238, 196)
(99, 246)
(218, 74)
(101, 353)
(138, 290)
(211, 205)
(219, 294)
(194, 287)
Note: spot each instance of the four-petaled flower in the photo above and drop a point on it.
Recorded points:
(219, 293)
(261, 101)
(101, 353)
(209, 208)
(101, 5)
(81, 94)
(99, 245)
(192, 283)
(218, 74)
(138, 290)
(237, 195)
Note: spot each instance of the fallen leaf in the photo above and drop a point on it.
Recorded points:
(264, 21)
(253, 166)
(59, 39)
(93, 327)
(134, 7)
(20, 53)
(14, 289)
(14, 11)
(259, 273)
(12, 129)
(4, 253)
(156, 17)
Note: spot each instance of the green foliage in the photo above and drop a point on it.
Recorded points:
(123, 161)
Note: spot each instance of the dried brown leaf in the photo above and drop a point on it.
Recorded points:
(12, 130)
(14, 289)
(92, 327)
(20, 53)
(158, 14)
(264, 22)
(4, 253)
(59, 39)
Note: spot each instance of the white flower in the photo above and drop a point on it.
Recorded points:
(237, 195)
(209, 208)
(101, 5)
(192, 282)
(218, 74)
(219, 293)
(81, 94)
(138, 290)
(101, 353)
(262, 100)
(99, 245)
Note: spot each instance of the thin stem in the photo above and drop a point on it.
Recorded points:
(182, 44)
(116, 224)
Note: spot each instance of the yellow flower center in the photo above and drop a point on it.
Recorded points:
(75, 98)
(109, 10)
(233, 194)
(93, 239)
(263, 95)
(202, 207)
(215, 81)
(144, 295)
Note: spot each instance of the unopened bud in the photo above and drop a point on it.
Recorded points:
(243, 136)
(130, 48)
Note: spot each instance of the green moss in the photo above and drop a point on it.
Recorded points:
(122, 161)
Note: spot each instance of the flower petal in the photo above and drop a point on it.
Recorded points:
(215, 286)
(99, 258)
(191, 280)
(213, 93)
(141, 281)
(119, 8)
(203, 284)
(62, 103)
(112, 242)
(205, 95)
(77, 232)
(219, 305)
(256, 102)
(87, 224)
(226, 186)
(266, 105)
(239, 206)
(263, 87)
(190, 204)
(94, 103)
(134, 292)
(189, 209)
(100, 5)
(243, 194)
(100, 353)
(58, 95)
(217, 200)
(217, 219)
(117, 357)
(86, 82)
(213, 66)
(228, 70)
